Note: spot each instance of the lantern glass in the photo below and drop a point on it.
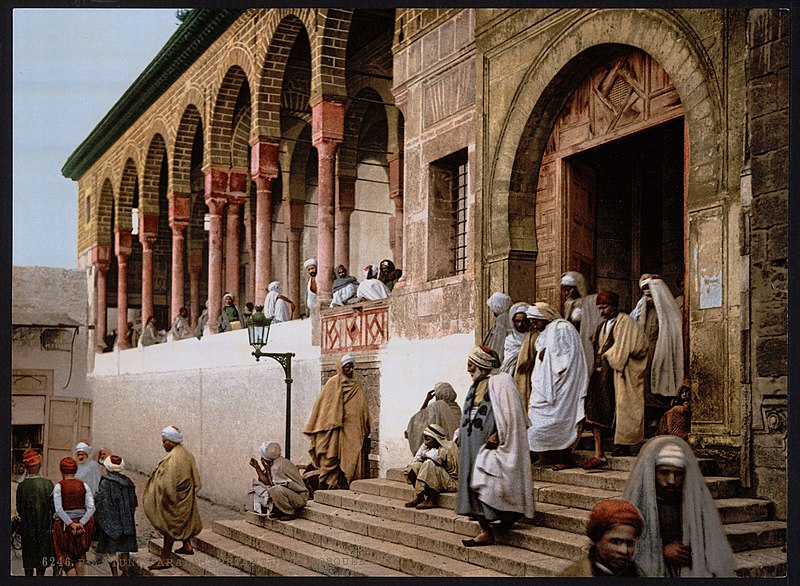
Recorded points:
(258, 328)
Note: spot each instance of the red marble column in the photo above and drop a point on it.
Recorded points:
(148, 232)
(216, 198)
(327, 131)
(194, 258)
(179, 210)
(237, 182)
(347, 202)
(123, 246)
(396, 194)
(293, 224)
(101, 256)
(250, 245)
(263, 169)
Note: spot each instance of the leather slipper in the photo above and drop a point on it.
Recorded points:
(473, 543)
(563, 466)
(185, 551)
(159, 566)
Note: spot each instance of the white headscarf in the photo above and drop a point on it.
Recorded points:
(513, 340)
(172, 434)
(499, 303)
(83, 447)
(348, 359)
(311, 262)
(702, 528)
(575, 279)
(275, 307)
(667, 369)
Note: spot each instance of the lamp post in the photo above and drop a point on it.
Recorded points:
(258, 333)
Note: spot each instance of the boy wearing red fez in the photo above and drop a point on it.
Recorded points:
(74, 527)
(35, 510)
(613, 526)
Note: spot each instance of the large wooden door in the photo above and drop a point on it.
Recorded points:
(69, 422)
(580, 215)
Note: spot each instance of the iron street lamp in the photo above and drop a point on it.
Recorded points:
(258, 332)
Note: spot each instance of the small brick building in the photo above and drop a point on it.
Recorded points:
(481, 150)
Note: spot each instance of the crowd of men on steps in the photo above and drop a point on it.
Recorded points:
(536, 380)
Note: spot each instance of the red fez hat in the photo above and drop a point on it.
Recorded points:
(68, 465)
(116, 460)
(608, 513)
(31, 458)
(608, 298)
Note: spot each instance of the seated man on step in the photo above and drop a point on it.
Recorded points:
(434, 468)
(280, 491)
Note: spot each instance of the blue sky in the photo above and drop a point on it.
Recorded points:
(70, 66)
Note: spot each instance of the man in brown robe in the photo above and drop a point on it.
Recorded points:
(338, 427)
(616, 388)
(170, 497)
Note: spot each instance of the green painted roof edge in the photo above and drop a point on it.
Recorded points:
(195, 34)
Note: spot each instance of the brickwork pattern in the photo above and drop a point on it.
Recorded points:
(767, 70)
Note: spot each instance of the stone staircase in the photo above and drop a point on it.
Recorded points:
(366, 531)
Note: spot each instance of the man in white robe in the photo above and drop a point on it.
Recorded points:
(683, 535)
(661, 319)
(344, 288)
(311, 286)
(371, 288)
(88, 470)
(180, 326)
(514, 339)
(494, 473)
(580, 309)
(276, 305)
(499, 303)
(558, 387)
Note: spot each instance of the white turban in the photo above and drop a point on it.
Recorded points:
(569, 280)
(520, 307)
(542, 310)
(311, 262)
(111, 467)
(228, 295)
(348, 359)
(83, 447)
(499, 302)
(270, 451)
(172, 434)
(274, 286)
(671, 455)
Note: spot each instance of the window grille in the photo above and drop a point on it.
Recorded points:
(458, 248)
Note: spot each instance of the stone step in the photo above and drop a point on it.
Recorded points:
(199, 563)
(251, 561)
(394, 558)
(144, 558)
(511, 561)
(614, 480)
(280, 541)
(398, 490)
(392, 509)
(562, 544)
(708, 466)
(761, 534)
(760, 563)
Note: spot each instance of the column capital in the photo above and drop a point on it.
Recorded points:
(237, 185)
(123, 242)
(327, 123)
(179, 210)
(101, 256)
(264, 160)
(216, 204)
(216, 182)
(148, 228)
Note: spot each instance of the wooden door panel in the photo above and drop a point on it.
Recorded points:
(61, 429)
(580, 185)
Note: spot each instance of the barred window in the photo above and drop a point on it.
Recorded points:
(447, 218)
